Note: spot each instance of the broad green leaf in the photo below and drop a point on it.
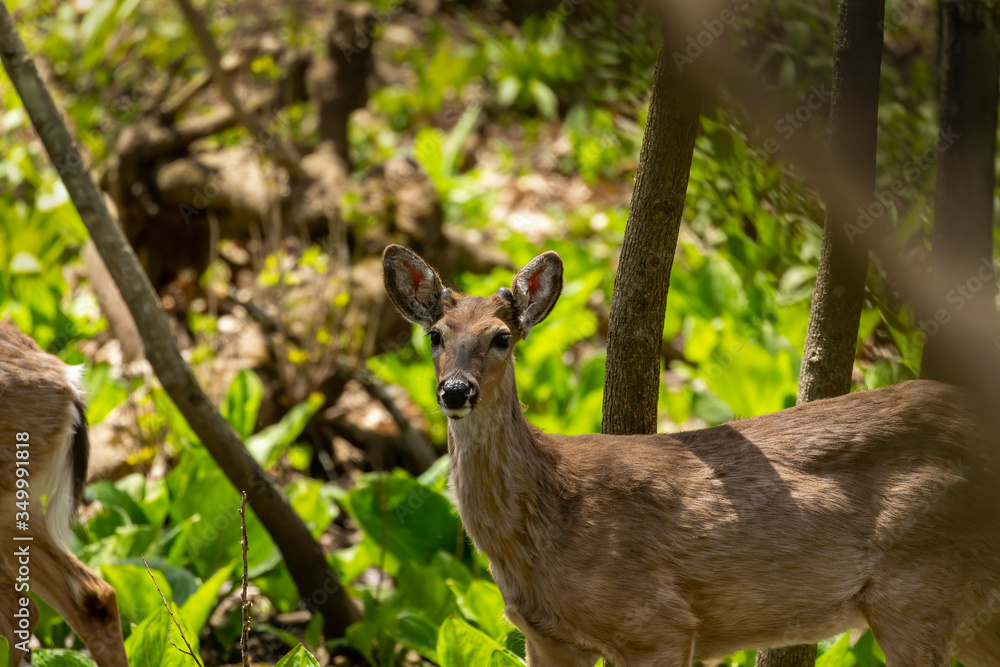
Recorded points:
(414, 630)
(545, 99)
(136, 592)
(482, 602)
(414, 520)
(298, 657)
(268, 445)
(198, 607)
(126, 542)
(182, 582)
(243, 402)
(104, 393)
(5, 658)
(314, 502)
(111, 496)
(198, 487)
(461, 645)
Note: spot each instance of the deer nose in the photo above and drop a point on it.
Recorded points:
(456, 393)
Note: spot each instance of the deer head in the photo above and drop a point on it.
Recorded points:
(472, 338)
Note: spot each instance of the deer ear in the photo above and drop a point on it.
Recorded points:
(536, 289)
(412, 285)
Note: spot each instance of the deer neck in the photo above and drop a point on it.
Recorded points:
(504, 478)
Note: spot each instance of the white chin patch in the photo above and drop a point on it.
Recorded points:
(456, 413)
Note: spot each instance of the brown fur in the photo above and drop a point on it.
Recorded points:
(877, 508)
(38, 396)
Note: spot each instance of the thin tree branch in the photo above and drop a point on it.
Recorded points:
(245, 636)
(282, 153)
(166, 604)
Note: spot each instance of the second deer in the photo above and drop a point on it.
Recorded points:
(43, 454)
(879, 508)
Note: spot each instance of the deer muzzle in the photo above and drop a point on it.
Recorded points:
(457, 396)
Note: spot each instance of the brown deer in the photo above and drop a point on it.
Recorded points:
(879, 508)
(43, 463)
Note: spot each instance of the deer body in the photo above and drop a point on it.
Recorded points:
(40, 399)
(878, 508)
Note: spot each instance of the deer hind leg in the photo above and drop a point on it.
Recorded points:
(913, 618)
(17, 622)
(83, 599)
(977, 641)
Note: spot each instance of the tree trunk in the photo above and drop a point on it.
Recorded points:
(831, 340)
(961, 332)
(638, 305)
(316, 581)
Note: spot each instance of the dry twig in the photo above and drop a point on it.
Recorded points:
(281, 153)
(246, 605)
(166, 604)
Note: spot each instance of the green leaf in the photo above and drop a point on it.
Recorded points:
(198, 487)
(461, 645)
(137, 594)
(268, 445)
(452, 148)
(414, 630)
(182, 582)
(126, 542)
(111, 496)
(416, 522)
(5, 659)
(508, 90)
(104, 393)
(56, 658)
(545, 99)
(483, 603)
(314, 502)
(298, 657)
(198, 607)
(243, 402)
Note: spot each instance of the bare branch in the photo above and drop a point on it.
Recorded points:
(283, 154)
(166, 604)
(243, 596)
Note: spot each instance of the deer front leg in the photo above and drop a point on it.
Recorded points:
(83, 599)
(14, 624)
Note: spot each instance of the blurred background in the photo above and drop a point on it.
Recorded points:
(477, 133)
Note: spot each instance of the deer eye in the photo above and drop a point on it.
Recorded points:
(502, 340)
(435, 338)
